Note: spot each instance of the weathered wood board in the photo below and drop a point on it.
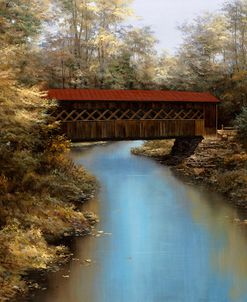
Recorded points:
(88, 121)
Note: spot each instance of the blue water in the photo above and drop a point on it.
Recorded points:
(165, 241)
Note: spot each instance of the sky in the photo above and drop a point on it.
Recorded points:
(165, 15)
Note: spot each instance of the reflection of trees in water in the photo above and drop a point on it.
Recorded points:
(228, 239)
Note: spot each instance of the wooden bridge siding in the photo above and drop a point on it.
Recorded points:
(120, 129)
(93, 105)
(138, 129)
(210, 116)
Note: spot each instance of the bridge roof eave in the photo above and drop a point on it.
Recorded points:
(94, 95)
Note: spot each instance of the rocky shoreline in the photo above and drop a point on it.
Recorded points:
(220, 163)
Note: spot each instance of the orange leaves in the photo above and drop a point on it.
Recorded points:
(240, 75)
(4, 184)
(59, 145)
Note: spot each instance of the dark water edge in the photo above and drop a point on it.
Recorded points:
(163, 239)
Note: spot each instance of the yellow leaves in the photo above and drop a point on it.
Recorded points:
(88, 5)
(5, 75)
(107, 41)
(121, 13)
(229, 95)
(7, 57)
(239, 76)
(55, 154)
(24, 117)
(59, 145)
(36, 180)
(23, 250)
(4, 184)
(236, 159)
(6, 79)
(26, 248)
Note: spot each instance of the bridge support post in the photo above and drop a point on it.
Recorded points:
(183, 148)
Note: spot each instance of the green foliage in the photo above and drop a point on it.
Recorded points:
(212, 58)
(19, 20)
(241, 125)
(121, 73)
(94, 48)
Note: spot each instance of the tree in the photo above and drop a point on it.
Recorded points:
(241, 124)
(74, 40)
(122, 73)
(111, 15)
(171, 72)
(21, 21)
(212, 58)
(33, 161)
(139, 44)
(236, 15)
(86, 41)
(20, 24)
(203, 51)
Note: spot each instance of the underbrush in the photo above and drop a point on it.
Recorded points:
(23, 249)
(37, 211)
(233, 182)
(241, 125)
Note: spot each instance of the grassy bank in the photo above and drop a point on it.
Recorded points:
(220, 163)
(156, 149)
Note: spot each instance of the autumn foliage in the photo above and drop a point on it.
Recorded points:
(39, 184)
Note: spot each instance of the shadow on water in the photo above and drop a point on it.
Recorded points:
(163, 240)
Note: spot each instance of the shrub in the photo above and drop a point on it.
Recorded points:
(232, 181)
(241, 124)
(22, 250)
(38, 185)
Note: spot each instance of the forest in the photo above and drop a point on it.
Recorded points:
(89, 44)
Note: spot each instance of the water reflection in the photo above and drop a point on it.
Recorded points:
(164, 240)
(229, 238)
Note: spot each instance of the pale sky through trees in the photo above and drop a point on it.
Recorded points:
(165, 15)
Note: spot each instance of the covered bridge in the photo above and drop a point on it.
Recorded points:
(92, 114)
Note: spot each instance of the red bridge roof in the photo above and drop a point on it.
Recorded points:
(130, 95)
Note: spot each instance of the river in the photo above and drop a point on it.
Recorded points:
(164, 240)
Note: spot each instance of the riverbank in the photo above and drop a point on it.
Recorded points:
(84, 145)
(152, 228)
(219, 163)
(36, 214)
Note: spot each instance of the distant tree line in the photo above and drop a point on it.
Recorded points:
(88, 44)
(212, 57)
